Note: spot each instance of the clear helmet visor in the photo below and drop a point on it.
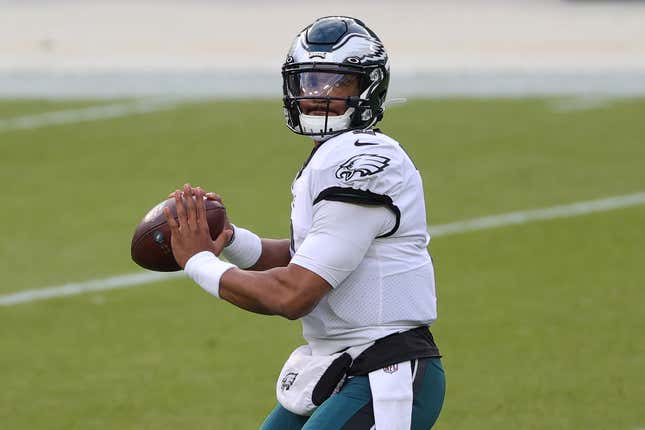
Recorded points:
(322, 93)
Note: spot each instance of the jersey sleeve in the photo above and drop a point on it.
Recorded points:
(367, 174)
(339, 238)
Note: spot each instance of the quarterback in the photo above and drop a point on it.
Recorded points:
(356, 270)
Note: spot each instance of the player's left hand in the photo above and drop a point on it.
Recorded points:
(190, 234)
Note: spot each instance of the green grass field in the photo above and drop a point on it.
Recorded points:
(541, 324)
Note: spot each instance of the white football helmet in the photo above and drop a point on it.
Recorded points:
(335, 78)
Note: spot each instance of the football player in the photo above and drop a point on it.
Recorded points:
(356, 271)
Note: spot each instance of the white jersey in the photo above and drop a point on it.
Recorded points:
(393, 288)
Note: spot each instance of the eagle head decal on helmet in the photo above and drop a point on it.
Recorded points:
(335, 78)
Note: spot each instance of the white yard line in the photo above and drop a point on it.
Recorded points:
(113, 283)
(92, 113)
(582, 103)
(512, 218)
(523, 217)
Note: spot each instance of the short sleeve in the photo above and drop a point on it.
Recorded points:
(339, 238)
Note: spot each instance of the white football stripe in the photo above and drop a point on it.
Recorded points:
(522, 217)
(512, 218)
(582, 103)
(113, 283)
(92, 113)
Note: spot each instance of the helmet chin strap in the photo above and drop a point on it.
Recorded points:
(316, 124)
(320, 139)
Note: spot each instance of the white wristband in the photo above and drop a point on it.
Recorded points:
(245, 250)
(206, 270)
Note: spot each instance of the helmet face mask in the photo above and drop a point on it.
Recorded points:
(324, 102)
(335, 78)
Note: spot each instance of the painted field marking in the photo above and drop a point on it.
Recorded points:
(92, 113)
(113, 283)
(523, 217)
(483, 223)
(582, 103)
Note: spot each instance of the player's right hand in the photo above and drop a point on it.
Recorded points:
(227, 224)
(210, 196)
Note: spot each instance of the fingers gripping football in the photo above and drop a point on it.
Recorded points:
(214, 196)
(190, 232)
(191, 212)
(209, 196)
(151, 245)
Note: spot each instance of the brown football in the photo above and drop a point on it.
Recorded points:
(150, 247)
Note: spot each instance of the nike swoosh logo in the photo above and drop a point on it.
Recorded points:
(357, 143)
